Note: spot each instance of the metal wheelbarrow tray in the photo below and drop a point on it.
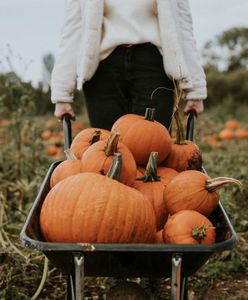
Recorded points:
(126, 260)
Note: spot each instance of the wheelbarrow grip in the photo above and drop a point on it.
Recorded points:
(190, 126)
(67, 131)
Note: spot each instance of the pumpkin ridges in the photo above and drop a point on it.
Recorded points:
(178, 229)
(132, 129)
(84, 211)
(94, 159)
(188, 190)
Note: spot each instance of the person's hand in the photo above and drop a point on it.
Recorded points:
(194, 105)
(63, 108)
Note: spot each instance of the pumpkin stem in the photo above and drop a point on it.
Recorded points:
(180, 137)
(70, 155)
(214, 184)
(114, 171)
(112, 142)
(198, 233)
(150, 114)
(95, 137)
(151, 169)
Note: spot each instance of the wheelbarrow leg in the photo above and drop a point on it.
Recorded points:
(184, 288)
(176, 277)
(79, 276)
(70, 287)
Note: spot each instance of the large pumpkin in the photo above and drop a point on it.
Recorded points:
(184, 154)
(99, 156)
(152, 185)
(87, 137)
(188, 227)
(194, 190)
(93, 208)
(143, 135)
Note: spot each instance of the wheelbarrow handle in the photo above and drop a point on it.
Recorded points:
(191, 125)
(67, 131)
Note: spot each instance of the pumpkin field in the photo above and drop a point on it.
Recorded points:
(30, 143)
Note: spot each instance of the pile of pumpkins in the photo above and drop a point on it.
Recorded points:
(233, 130)
(133, 184)
(53, 138)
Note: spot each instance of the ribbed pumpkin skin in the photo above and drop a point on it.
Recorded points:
(95, 160)
(184, 157)
(154, 191)
(81, 142)
(178, 229)
(143, 137)
(65, 169)
(92, 208)
(187, 191)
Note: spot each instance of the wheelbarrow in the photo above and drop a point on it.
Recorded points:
(125, 260)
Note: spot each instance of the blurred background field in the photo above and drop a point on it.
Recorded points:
(31, 138)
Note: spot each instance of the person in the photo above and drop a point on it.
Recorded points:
(119, 52)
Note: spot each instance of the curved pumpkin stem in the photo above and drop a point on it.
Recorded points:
(214, 184)
(70, 155)
(151, 169)
(180, 137)
(150, 114)
(114, 171)
(112, 142)
(95, 137)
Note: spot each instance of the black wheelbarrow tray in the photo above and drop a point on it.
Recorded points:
(125, 260)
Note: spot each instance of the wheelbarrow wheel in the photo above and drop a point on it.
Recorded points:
(127, 290)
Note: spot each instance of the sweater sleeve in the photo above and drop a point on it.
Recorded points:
(63, 78)
(198, 78)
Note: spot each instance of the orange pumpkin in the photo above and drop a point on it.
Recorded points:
(188, 227)
(52, 150)
(194, 190)
(226, 134)
(184, 154)
(143, 135)
(241, 134)
(87, 137)
(232, 124)
(99, 156)
(51, 123)
(152, 185)
(46, 135)
(159, 239)
(96, 209)
(67, 168)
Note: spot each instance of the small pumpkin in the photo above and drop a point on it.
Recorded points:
(67, 168)
(86, 138)
(143, 135)
(232, 124)
(189, 227)
(226, 134)
(97, 209)
(184, 154)
(194, 190)
(241, 134)
(152, 185)
(52, 150)
(46, 134)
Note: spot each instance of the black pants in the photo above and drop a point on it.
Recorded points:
(124, 82)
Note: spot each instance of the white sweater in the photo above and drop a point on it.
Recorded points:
(129, 22)
(78, 55)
